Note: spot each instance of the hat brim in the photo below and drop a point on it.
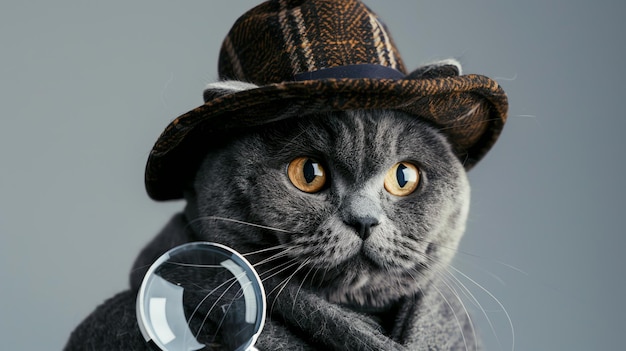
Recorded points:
(470, 110)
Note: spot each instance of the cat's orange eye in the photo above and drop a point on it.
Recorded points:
(402, 179)
(307, 174)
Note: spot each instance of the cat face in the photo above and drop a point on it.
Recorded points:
(362, 206)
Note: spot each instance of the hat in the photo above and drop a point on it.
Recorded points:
(293, 58)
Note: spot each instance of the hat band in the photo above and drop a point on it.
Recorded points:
(360, 71)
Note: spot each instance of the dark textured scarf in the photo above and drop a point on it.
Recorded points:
(298, 320)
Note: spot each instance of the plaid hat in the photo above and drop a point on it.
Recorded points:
(292, 58)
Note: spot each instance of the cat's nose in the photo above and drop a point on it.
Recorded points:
(363, 225)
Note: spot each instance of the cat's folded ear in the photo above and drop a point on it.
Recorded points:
(439, 69)
(226, 87)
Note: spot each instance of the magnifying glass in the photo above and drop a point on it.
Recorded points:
(201, 296)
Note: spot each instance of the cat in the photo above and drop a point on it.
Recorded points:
(360, 244)
(352, 239)
(367, 245)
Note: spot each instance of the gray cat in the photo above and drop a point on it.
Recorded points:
(366, 239)
(339, 175)
(361, 233)
(384, 213)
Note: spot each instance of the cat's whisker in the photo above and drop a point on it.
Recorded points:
(470, 296)
(272, 258)
(284, 284)
(445, 273)
(295, 298)
(234, 280)
(504, 310)
(461, 302)
(467, 292)
(225, 219)
(447, 302)
(238, 294)
(454, 311)
(195, 265)
(273, 248)
(140, 268)
(276, 267)
(225, 313)
(289, 144)
(323, 277)
(459, 252)
(288, 264)
(469, 124)
(498, 78)
(492, 275)
(456, 317)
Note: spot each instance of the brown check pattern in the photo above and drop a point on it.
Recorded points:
(278, 39)
(275, 41)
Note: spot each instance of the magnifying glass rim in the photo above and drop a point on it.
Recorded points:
(148, 333)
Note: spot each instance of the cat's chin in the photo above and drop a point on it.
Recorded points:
(363, 285)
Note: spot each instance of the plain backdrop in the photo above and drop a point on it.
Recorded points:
(87, 86)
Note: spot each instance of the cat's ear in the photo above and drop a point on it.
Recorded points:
(225, 87)
(439, 69)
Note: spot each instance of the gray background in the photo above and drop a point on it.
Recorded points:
(87, 86)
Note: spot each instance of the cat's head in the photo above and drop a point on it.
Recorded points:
(363, 206)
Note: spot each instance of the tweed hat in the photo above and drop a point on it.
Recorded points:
(294, 58)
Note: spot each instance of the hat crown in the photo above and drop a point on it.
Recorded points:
(279, 39)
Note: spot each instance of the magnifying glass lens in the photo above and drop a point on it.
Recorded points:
(201, 296)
